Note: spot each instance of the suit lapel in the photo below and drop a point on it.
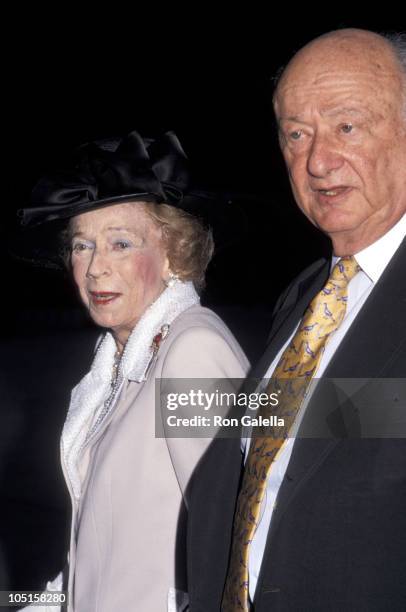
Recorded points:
(378, 332)
(290, 313)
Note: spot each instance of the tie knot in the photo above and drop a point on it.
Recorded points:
(345, 269)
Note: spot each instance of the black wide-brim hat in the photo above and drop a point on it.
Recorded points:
(113, 171)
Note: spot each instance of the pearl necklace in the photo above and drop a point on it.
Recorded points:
(116, 365)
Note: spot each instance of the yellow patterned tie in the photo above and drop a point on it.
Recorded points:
(291, 377)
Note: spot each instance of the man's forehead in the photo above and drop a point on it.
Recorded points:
(332, 88)
(327, 112)
(346, 54)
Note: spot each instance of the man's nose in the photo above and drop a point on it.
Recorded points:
(324, 157)
(99, 264)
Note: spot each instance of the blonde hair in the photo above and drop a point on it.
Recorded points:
(189, 245)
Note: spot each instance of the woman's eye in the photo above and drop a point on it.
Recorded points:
(346, 128)
(121, 245)
(79, 246)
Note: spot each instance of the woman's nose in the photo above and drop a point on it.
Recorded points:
(99, 264)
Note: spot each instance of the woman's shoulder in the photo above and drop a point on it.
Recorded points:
(199, 316)
(202, 322)
(199, 336)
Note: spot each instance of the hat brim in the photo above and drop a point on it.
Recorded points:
(39, 244)
(33, 216)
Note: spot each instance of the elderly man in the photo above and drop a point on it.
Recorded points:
(318, 522)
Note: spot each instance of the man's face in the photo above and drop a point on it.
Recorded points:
(343, 137)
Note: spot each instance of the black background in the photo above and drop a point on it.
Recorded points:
(70, 77)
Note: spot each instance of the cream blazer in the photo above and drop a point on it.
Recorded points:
(126, 551)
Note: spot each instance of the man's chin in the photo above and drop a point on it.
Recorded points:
(336, 222)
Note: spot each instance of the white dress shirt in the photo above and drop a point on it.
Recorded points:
(373, 261)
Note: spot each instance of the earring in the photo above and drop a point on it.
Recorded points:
(171, 280)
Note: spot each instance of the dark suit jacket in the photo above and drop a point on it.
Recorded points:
(338, 534)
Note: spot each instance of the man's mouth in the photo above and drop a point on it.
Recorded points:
(334, 192)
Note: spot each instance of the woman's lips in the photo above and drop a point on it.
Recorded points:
(100, 298)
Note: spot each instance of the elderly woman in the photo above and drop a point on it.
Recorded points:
(138, 259)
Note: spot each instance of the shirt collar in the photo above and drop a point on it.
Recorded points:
(375, 257)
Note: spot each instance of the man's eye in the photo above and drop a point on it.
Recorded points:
(346, 128)
(295, 135)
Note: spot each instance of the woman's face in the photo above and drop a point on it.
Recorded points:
(119, 265)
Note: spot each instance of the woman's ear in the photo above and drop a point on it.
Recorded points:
(169, 277)
(166, 270)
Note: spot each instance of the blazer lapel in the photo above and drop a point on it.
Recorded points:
(120, 404)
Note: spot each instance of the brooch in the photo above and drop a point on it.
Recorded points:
(156, 343)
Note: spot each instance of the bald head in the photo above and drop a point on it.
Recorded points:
(342, 125)
(354, 49)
